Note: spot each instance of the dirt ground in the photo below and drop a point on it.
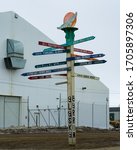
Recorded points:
(56, 139)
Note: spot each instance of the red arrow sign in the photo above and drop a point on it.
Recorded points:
(51, 45)
(83, 51)
(46, 76)
(39, 77)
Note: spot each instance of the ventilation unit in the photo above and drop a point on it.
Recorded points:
(15, 55)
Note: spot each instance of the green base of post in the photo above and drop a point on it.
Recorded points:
(69, 34)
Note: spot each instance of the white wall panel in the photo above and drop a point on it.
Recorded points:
(40, 92)
(1, 111)
(9, 111)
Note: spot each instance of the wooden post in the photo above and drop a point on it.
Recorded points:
(71, 86)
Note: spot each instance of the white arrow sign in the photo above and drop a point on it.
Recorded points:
(86, 76)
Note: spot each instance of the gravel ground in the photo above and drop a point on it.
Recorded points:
(56, 139)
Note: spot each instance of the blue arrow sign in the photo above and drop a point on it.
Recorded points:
(56, 46)
(51, 64)
(75, 49)
(50, 52)
(90, 62)
(85, 57)
(46, 71)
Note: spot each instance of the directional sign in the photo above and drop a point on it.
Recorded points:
(84, 57)
(90, 62)
(51, 64)
(75, 55)
(59, 83)
(52, 45)
(50, 52)
(83, 51)
(86, 76)
(39, 77)
(46, 76)
(46, 71)
(63, 46)
(64, 74)
(75, 49)
(84, 40)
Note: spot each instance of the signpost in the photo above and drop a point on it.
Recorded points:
(69, 31)
(68, 48)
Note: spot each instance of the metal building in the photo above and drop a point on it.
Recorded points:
(18, 40)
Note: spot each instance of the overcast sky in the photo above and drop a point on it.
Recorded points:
(99, 18)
